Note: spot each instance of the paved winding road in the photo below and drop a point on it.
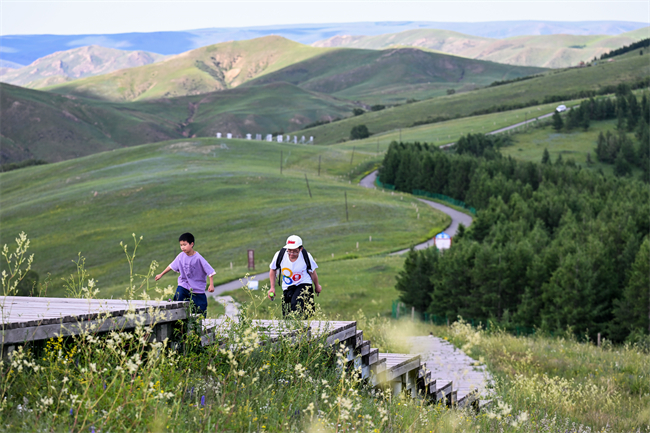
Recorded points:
(369, 182)
(456, 216)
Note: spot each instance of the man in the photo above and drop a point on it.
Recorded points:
(298, 277)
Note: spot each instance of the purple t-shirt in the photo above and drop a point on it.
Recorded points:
(193, 269)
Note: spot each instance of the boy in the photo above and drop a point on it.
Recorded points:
(193, 269)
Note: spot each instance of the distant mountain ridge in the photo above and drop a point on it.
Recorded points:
(552, 51)
(203, 70)
(24, 49)
(77, 63)
(392, 75)
(371, 76)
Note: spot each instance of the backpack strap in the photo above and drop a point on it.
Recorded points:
(277, 265)
(306, 257)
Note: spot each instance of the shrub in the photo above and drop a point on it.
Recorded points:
(358, 132)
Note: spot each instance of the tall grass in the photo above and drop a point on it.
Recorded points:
(559, 383)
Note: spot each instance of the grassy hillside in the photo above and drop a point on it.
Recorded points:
(574, 145)
(442, 133)
(563, 82)
(390, 76)
(77, 63)
(551, 51)
(229, 193)
(52, 127)
(214, 67)
(264, 109)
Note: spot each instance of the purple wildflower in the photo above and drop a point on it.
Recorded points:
(104, 386)
(202, 400)
(71, 412)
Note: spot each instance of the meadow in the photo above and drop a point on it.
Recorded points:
(352, 288)
(560, 383)
(229, 193)
(554, 83)
(450, 131)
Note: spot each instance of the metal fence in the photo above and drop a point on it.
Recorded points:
(400, 310)
(445, 199)
(428, 194)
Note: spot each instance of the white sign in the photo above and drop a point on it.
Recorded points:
(253, 285)
(442, 241)
(269, 137)
(279, 139)
(218, 134)
(229, 135)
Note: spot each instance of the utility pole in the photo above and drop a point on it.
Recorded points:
(308, 189)
(318, 165)
(346, 206)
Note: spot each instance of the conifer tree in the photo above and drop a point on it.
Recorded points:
(558, 123)
(621, 166)
(633, 310)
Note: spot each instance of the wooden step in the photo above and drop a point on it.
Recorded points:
(398, 364)
(468, 399)
(443, 390)
(358, 340)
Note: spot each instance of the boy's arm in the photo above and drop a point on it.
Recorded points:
(159, 276)
(211, 288)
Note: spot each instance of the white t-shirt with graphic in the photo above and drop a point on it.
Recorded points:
(294, 273)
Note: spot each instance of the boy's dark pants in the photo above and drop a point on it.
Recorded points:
(199, 300)
(298, 299)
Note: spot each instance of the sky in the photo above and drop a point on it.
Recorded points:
(101, 17)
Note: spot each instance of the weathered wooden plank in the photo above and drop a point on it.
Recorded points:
(364, 348)
(402, 368)
(25, 312)
(43, 332)
(358, 338)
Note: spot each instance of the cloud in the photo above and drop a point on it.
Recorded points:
(4, 49)
(99, 40)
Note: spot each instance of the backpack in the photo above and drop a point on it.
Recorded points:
(281, 256)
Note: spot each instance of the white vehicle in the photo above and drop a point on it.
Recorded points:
(560, 108)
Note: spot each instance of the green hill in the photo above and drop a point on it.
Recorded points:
(551, 51)
(229, 193)
(52, 127)
(392, 75)
(565, 84)
(80, 62)
(264, 109)
(207, 69)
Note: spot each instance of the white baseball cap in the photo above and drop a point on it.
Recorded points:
(293, 242)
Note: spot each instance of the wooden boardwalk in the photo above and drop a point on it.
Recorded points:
(397, 372)
(27, 319)
(31, 319)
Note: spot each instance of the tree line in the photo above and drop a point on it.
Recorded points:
(615, 146)
(552, 246)
(640, 44)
